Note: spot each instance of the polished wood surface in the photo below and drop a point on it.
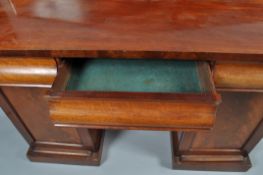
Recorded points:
(246, 76)
(32, 107)
(132, 114)
(27, 72)
(135, 110)
(238, 128)
(207, 160)
(183, 28)
(28, 110)
(217, 31)
(14, 117)
(65, 153)
(237, 117)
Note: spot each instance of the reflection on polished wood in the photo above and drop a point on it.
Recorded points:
(27, 72)
(37, 38)
(246, 76)
(87, 28)
(138, 106)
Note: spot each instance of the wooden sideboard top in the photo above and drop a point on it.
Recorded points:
(187, 29)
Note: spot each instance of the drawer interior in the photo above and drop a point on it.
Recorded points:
(134, 94)
(162, 76)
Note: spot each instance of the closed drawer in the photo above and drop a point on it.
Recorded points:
(238, 76)
(27, 72)
(134, 94)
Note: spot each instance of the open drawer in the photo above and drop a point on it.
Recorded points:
(134, 94)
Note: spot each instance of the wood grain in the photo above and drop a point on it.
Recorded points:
(237, 117)
(174, 29)
(64, 153)
(135, 110)
(28, 110)
(32, 107)
(237, 130)
(14, 117)
(132, 114)
(27, 72)
(239, 76)
(208, 160)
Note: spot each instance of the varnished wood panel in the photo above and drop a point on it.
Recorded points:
(15, 118)
(80, 154)
(32, 107)
(135, 110)
(238, 128)
(27, 109)
(254, 138)
(132, 114)
(27, 72)
(103, 27)
(208, 160)
(237, 116)
(239, 76)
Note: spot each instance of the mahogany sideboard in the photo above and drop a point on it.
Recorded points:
(69, 70)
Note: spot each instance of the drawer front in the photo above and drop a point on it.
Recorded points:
(246, 76)
(28, 72)
(132, 114)
(157, 107)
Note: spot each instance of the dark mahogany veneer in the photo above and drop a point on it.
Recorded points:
(36, 37)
